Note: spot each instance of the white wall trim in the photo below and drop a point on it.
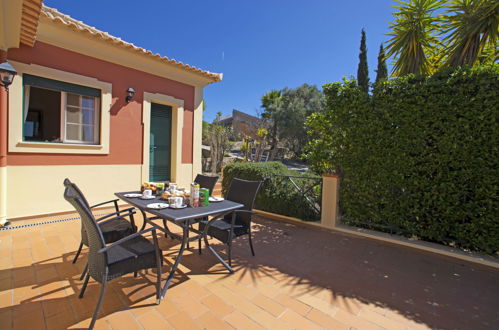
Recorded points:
(177, 127)
(16, 95)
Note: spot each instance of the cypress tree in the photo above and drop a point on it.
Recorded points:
(381, 71)
(362, 71)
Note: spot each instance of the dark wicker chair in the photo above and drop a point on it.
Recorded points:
(207, 182)
(112, 229)
(239, 222)
(127, 255)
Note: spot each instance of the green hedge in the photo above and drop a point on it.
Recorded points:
(276, 194)
(419, 156)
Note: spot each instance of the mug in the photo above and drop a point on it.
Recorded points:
(147, 193)
(178, 202)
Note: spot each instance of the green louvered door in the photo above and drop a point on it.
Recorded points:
(160, 142)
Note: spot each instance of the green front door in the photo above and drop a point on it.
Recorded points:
(160, 142)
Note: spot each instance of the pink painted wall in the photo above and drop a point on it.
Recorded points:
(126, 119)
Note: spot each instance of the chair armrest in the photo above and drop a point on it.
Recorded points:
(115, 213)
(124, 239)
(115, 201)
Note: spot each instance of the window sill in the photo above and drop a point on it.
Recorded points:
(48, 147)
(59, 145)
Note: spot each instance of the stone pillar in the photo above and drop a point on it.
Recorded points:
(330, 198)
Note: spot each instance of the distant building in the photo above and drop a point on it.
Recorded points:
(242, 123)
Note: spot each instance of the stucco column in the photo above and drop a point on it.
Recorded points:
(197, 132)
(330, 198)
(3, 149)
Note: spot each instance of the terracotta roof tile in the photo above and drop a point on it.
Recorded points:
(58, 17)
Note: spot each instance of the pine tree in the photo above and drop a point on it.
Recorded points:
(362, 71)
(381, 71)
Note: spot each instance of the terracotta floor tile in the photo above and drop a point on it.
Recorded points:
(355, 321)
(211, 321)
(6, 318)
(217, 305)
(293, 304)
(154, 321)
(182, 320)
(28, 316)
(381, 320)
(122, 320)
(167, 307)
(60, 321)
(298, 321)
(325, 320)
(190, 305)
(240, 321)
(269, 321)
(196, 289)
(318, 303)
(268, 305)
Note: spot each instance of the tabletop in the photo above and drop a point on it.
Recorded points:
(180, 215)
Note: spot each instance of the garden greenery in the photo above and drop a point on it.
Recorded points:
(419, 156)
(276, 193)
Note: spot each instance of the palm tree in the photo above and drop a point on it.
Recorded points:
(413, 35)
(470, 26)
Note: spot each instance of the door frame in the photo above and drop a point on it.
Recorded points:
(177, 106)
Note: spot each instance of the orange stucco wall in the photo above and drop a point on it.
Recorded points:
(126, 129)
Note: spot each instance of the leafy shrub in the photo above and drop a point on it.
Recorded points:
(276, 193)
(420, 155)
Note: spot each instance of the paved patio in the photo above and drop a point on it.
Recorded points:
(301, 278)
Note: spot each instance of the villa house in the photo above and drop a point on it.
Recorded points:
(91, 107)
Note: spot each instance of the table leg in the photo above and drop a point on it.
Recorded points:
(144, 217)
(185, 236)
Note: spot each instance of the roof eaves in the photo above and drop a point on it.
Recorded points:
(78, 26)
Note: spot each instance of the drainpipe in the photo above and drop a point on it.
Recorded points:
(3, 150)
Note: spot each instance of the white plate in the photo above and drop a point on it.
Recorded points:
(182, 207)
(158, 206)
(215, 199)
(132, 195)
(149, 197)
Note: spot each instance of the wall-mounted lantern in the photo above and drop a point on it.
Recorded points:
(130, 92)
(7, 74)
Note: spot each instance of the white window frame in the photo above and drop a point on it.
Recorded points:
(64, 122)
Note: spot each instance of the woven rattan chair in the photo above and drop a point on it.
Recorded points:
(239, 222)
(127, 255)
(112, 229)
(207, 182)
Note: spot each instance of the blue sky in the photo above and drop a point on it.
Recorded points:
(257, 45)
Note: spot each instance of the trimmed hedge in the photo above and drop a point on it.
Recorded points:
(419, 156)
(276, 194)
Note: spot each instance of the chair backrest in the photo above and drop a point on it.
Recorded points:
(207, 182)
(244, 192)
(96, 261)
(68, 183)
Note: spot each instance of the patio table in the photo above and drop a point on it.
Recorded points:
(183, 218)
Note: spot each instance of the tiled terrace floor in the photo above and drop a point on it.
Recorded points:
(301, 278)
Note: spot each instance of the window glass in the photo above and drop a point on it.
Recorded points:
(73, 132)
(87, 117)
(73, 99)
(88, 133)
(73, 115)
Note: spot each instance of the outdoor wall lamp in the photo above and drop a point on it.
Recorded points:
(130, 92)
(7, 74)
